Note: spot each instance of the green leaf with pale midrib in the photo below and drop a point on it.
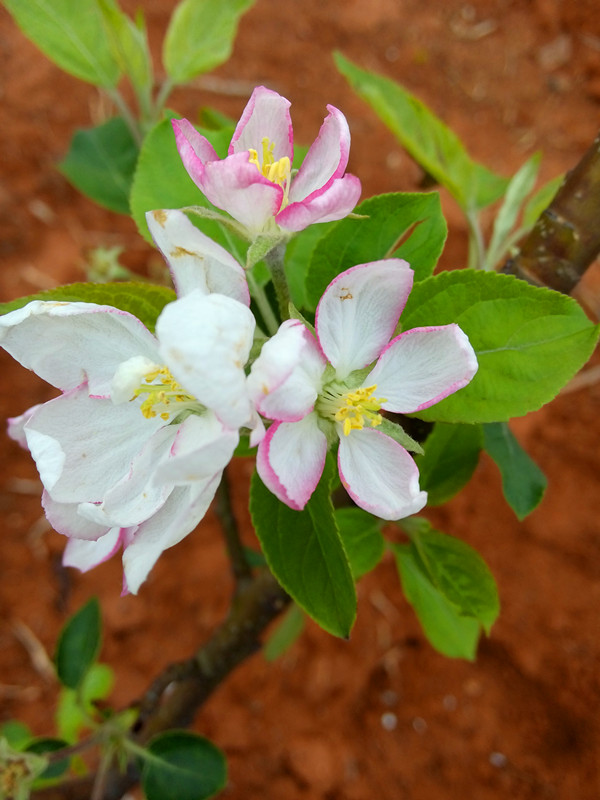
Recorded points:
(523, 482)
(305, 553)
(429, 141)
(182, 765)
(460, 574)
(71, 33)
(453, 635)
(78, 644)
(529, 341)
(380, 235)
(200, 36)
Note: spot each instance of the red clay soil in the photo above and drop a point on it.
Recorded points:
(383, 715)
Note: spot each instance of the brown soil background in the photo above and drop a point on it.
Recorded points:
(521, 722)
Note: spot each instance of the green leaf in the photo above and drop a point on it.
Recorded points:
(298, 255)
(75, 707)
(161, 181)
(78, 645)
(129, 45)
(305, 553)
(200, 36)
(101, 163)
(16, 733)
(529, 341)
(428, 140)
(459, 573)
(402, 225)
(361, 534)
(540, 201)
(451, 455)
(70, 33)
(54, 770)
(523, 482)
(285, 633)
(144, 300)
(519, 187)
(448, 632)
(182, 766)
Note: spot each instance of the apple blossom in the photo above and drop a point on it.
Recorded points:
(131, 452)
(323, 389)
(255, 183)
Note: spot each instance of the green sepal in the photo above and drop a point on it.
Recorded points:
(398, 434)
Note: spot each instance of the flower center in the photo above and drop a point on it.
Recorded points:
(353, 409)
(275, 171)
(164, 395)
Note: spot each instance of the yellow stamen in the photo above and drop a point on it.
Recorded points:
(360, 407)
(275, 171)
(162, 395)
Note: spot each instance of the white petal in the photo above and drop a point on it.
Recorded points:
(205, 341)
(16, 426)
(85, 555)
(179, 516)
(68, 343)
(379, 475)
(203, 446)
(359, 311)
(137, 496)
(290, 460)
(65, 519)
(195, 260)
(422, 366)
(82, 446)
(286, 377)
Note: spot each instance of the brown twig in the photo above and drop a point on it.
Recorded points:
(176, 695)
(565, 240)
(240, 567)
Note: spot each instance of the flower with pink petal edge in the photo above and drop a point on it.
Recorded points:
(327, 389)
(255, 183)
(131, 452)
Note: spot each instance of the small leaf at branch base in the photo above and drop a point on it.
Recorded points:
(54, 770)
(284, 635)
(78, 644)
(523, 482)
(182, 766)
(448, 632)
(305, 553)
(101, 163)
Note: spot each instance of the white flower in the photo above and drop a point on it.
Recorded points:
(322, 390)
(131, 452)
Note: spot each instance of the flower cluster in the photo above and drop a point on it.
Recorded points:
(132, 450)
